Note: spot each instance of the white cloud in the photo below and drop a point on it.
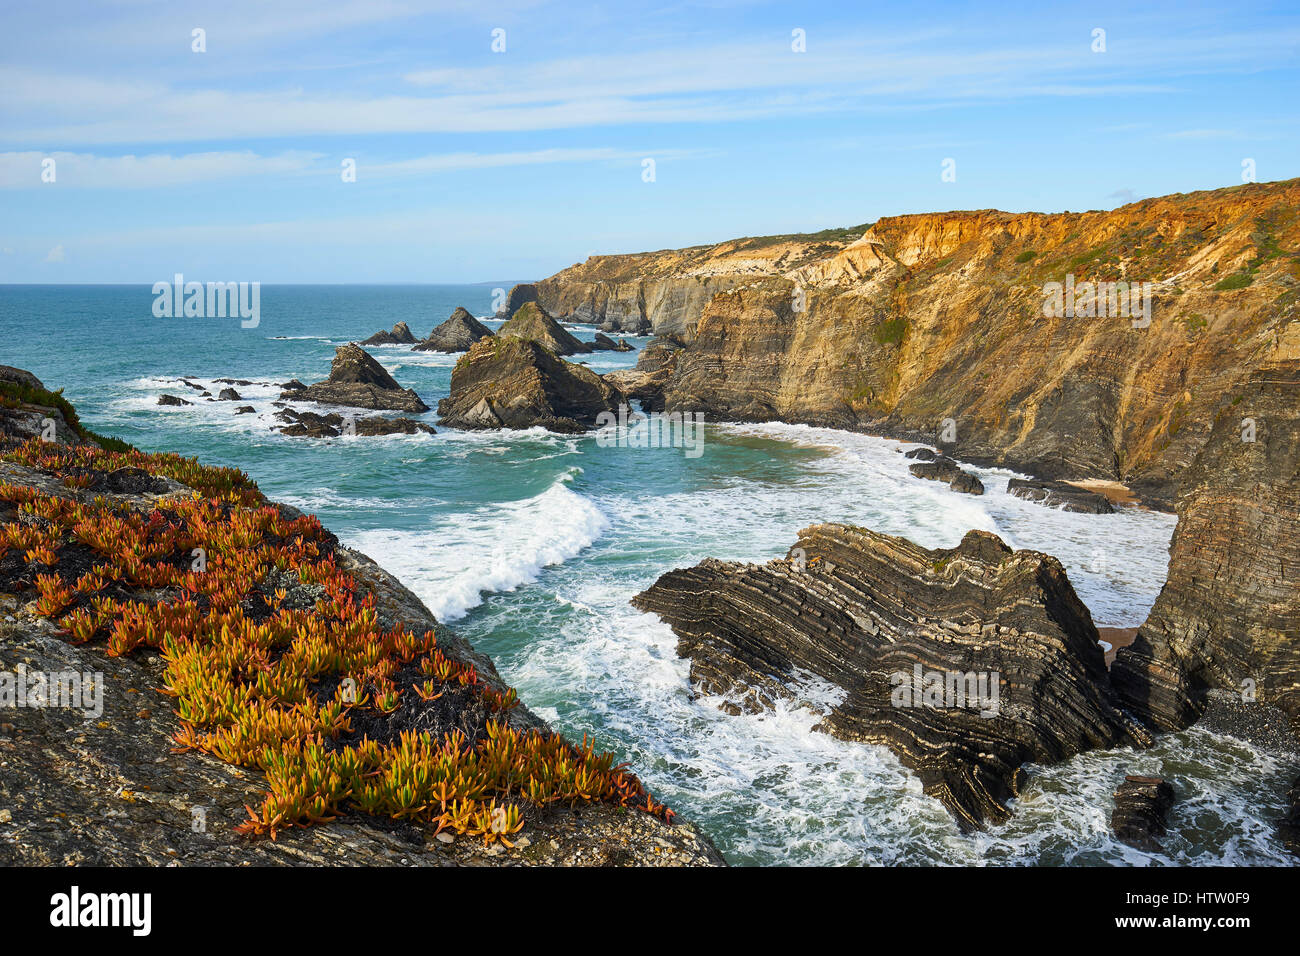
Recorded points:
(23, 169)
(55, 254)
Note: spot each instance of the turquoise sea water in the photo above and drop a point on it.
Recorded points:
(531, 544)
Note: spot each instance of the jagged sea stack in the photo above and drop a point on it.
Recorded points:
(535, 324)
(358, 381)
(457, 334)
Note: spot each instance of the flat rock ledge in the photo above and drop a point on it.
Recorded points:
(966, 662)
(950, 473)
(1059, 494)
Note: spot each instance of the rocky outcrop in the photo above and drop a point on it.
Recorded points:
(358, 381)
(400, 335)
(520, 295)
(457, 334)
(228, 395)
(603, 343)
(922, 318)
(966, 662)
(311, 425)
(513, 382)
(946, 470)
(1059, 494)
(535, 324)
(1141, 806)
(1228, 616)
(654, 369)
(172, 400)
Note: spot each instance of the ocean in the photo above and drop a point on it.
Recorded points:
(530, 545)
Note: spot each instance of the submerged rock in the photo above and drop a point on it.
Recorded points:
(535, 324)
(950, 473)
(358, 381)
(1141, 806)
(1059, 494)
(966, 662)
(400, 335)
(312, 425)
(457, 334)
(510, 382)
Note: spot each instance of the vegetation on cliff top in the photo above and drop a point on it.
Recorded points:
(277, 660)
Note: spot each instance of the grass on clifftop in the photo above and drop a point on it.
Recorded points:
(277, 660)
(14, 395)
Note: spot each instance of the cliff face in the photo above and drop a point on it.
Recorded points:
(940, 316)
(1228, 617)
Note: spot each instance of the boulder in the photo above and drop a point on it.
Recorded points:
(950, 473)
(245, 410)
(923, 454)
(966, 662)
(603, 343)
(457, 334)
(400, 335)
(1141, 806)
(535, 324)
(172, 400)
(511, 382)
(228, 395)
(1059, 494)
(358, 381)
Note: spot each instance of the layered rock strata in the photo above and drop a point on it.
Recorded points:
(358, 381)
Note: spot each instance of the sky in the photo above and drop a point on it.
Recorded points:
(497, 142)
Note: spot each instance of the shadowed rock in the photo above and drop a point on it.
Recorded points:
(228, 395)
(535, 324)
(172, 400)
(312, 425)
(906, 633)
(358, 381)
(1059, 494)
(510, 382)
(520, 295)
(1141, 806)
(457, 334)
(400, 335)
(603, 343)
(654, 369)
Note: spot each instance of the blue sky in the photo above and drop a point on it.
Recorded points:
(474, 165)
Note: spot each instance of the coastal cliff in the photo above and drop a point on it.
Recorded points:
(925, 318)
(193, 674)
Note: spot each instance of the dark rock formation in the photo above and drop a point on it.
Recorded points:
(966, 662)
(1141, 806)
(603, 343)
(1228, 616)
(654, 369)
(172, 400)
(923, 454)
(457, 334)
(1059, 494)
(400, 335)
(228, 395)
(520, 295)
(1289, 829)
(535, 324)
(292, 385)
(233, 381)
(358, 381)
(950, 473)
(245, 410)
(511, 382)
(311, 425)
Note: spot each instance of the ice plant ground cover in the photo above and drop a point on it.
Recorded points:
(276, 659)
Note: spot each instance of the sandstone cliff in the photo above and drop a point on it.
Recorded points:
(938, 316)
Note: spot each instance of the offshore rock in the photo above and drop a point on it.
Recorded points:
(400, 335)
(654, 369)
(512, 382)
(520, 295)
(457, 334)
(950, 473)
(311, 425)
(1141, 806)
(966, 662)
(1059, 494)
(535, 324)
(172, 400)
(603, 343)
(358, 381)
